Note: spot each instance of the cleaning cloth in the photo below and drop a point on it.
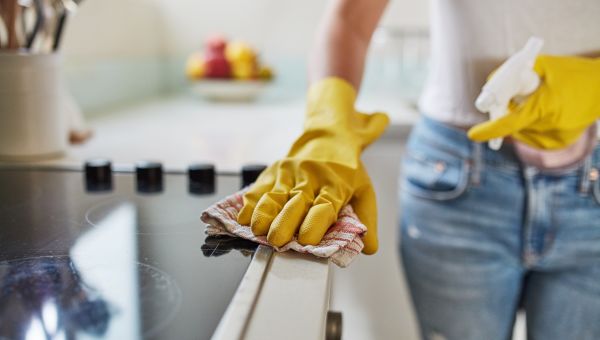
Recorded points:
(342, 242)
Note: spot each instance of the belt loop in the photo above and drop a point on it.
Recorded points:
(477, 163)
(586, 171)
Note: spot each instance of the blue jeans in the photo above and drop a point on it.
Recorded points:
(482, 234)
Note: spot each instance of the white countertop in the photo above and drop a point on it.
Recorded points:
(181, 129)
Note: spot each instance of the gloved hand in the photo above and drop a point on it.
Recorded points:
(566, 103)
(304, 192)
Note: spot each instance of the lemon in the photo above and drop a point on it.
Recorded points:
(237, 51)
(194, 68)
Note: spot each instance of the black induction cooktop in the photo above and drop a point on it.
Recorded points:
(98, 253)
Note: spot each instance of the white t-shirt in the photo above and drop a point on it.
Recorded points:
(470, 38)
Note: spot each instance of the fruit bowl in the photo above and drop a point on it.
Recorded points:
(227, 71)
(229, 90)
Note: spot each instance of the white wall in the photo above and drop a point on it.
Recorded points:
(132, 28)
(123, 50)
(407, 14)
(113, 52)
(280, 26)
(114, 29)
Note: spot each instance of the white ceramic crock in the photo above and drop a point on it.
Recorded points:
(32, 124)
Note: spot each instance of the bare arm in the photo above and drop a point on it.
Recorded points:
(343, 39)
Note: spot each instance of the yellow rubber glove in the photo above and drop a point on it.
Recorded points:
(558, 112)
(304, 192)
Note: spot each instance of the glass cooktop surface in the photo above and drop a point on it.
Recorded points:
(115, 262)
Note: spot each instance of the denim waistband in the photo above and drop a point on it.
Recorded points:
(456, 141)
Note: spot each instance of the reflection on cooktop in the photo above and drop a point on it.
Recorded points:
(48, 295)
(112, 264)
(223, 244)
(157, 218)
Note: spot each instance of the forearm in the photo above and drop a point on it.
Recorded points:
(343, 39)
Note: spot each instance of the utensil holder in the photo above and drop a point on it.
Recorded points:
(33, 125)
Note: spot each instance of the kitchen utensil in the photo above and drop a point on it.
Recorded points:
(66, 7)
(26, 20)
(50, 24)
(39, 23)
(3, 34)
(20, 26)
(41, 40)
(9, 12)
(24, 5)
(71, 5)
(62, 18)
(62, 7)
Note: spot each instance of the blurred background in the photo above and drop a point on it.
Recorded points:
(121, 51)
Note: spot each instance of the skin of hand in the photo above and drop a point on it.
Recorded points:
(304, 192)
(555, 116)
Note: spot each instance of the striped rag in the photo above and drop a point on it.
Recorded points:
(342, 242)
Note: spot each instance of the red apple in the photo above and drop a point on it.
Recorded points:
(216, 66)
(215, 44)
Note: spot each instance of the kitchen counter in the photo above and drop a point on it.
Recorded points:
(181, 129)
(281, 293)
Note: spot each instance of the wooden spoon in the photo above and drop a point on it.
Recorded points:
(8, 10)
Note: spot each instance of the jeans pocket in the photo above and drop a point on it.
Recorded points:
(435, 174)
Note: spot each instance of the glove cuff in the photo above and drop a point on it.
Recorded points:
(331, 107)
(333, 95)
(331, 86)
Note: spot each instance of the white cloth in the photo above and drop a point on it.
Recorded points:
(341, 243)
(470, 38)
